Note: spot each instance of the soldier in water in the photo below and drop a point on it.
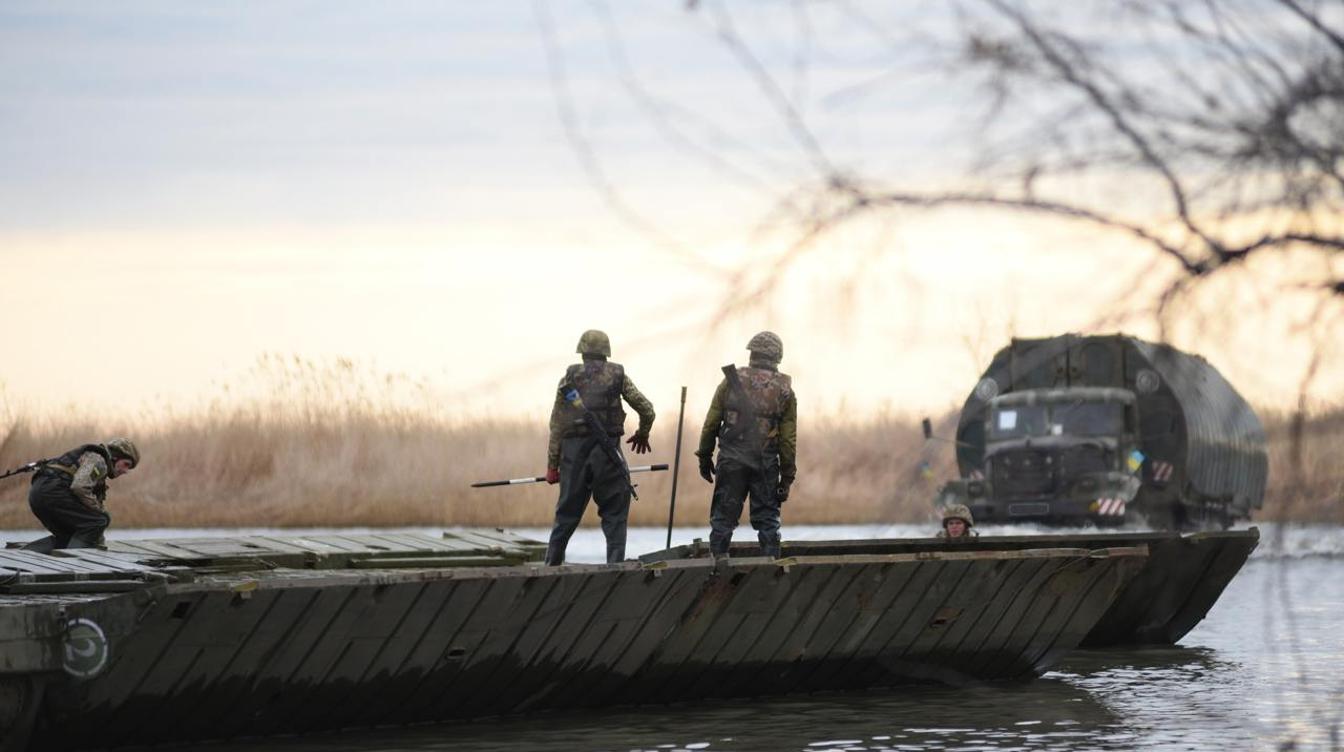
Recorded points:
(957, 523)
(69, 491)
(754, 418)
(575, 459)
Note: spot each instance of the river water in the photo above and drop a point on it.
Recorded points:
(1264, 671)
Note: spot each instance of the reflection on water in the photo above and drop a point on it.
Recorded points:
(1050, 714)
(1265, 670)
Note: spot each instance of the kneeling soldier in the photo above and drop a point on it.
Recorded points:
(68, 493)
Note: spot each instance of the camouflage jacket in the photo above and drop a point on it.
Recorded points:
(87, 469)
(602, 385)
(776, 407)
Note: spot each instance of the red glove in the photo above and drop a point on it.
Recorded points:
(552, 475)
(639, 443)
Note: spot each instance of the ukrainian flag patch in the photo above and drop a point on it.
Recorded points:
(1135, 461)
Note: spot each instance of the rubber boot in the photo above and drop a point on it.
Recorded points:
(718, 550)
(615, 554)
(555, 556)
(42, 545)
(719, 543)
(769, 546)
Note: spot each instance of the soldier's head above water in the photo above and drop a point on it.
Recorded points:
(957, 522)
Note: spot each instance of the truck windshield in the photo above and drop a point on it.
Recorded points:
(1018, 421)
(1065, 419)
(1088, 419)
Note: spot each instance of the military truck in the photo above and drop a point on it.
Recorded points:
(1106, 430)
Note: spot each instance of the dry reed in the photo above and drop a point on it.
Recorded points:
(316, 451)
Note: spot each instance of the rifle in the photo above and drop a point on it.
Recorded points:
(542, 478)
(28, 468)
(608, 443)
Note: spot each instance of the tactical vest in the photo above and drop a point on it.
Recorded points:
(600, 383)
(768, 393)
(67, 464)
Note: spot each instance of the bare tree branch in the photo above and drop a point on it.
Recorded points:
(1071, 73)
(788, 112)
(1315, 22)
(597, 177)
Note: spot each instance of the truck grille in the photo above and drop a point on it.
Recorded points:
(1081, 460)
(1025, 472)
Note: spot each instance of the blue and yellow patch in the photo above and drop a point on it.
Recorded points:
(1135, 461)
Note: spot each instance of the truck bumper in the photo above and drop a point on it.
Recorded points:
(1098, 512)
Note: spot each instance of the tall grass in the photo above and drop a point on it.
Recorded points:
(320, 448)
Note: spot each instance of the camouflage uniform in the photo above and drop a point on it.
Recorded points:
(759, 460)
(586, 471)
(68, 493)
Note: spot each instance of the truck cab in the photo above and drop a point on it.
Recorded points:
(1104, 429)
(1060, 456)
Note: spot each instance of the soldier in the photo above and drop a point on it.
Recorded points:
(68, 493)
(754, 417)
(957, 523)
(575, 459)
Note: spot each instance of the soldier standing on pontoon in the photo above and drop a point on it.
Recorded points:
(576, 461)
(754, 418)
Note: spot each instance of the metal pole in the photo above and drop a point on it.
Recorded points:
(542, 478)
(676, 469)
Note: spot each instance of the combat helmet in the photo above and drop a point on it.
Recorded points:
(958, 512)
(121, 448)
(767, 346)
(594, 342)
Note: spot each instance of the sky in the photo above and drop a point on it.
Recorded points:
(454, 192)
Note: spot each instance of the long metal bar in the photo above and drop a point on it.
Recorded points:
(542, 478)
(676, 471)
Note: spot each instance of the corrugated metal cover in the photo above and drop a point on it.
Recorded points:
(1225, 441)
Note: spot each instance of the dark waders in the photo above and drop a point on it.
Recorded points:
(733, 482)
(73, 524)
(586, 471)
